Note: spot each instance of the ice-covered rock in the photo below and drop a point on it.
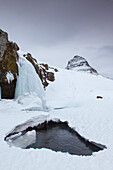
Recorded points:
(79, 63)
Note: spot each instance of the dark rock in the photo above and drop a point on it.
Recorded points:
(50, 76)
(8, 90)
(56, 70)
(8, 66)
(99, 97)
(80, 64)
(3, 42)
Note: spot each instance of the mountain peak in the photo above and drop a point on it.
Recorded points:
(79, 63)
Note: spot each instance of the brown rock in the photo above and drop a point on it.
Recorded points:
(42, 70)
(3, 42)
(8, 90)
(8, 64)
(50, 76)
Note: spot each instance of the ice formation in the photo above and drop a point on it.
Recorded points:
(28, 82)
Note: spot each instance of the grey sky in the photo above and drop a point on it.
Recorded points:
(55, 30)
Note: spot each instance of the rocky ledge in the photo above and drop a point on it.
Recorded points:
(79, 63)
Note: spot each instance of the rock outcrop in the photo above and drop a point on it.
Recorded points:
(8, 66)
(3, 42)
(45, 72)
(80, 64)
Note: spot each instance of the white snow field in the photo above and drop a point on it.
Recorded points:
(73, 98)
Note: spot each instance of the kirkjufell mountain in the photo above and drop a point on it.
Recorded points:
(79, 63)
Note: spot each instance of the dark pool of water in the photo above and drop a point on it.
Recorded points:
(60, 137)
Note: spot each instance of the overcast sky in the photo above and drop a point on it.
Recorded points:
(56, 30)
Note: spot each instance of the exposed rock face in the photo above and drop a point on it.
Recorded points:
(80, 64)
(3, 42)
(8, 66)
(45, 72)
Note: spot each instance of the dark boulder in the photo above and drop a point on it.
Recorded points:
(99, 97)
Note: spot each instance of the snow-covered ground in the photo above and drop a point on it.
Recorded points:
(73, 98)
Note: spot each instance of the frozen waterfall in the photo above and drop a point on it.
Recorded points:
(29, 83)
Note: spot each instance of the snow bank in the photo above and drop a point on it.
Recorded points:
(30, 102)
(28, 82)
(23, 141)
(30, 123)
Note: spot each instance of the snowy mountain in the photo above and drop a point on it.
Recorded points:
(79, 63)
